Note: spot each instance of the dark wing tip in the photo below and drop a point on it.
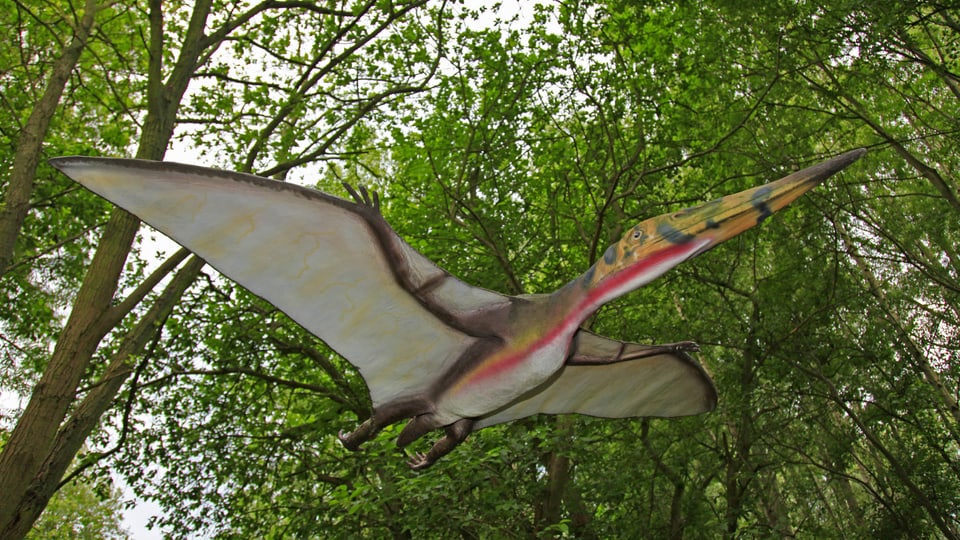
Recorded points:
(63, 163)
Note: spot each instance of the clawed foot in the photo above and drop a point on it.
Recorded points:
(685, 346)
(419, 461)
(363, 433)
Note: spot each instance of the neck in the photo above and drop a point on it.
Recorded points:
(602, 283)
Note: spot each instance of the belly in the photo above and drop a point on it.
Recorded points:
(504, 377)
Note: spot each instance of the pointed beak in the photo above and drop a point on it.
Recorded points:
(654, 246)
(724, 218)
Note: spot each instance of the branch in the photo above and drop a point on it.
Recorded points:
(322, 390)
(96, 457)
(113, 315)
(851, 104)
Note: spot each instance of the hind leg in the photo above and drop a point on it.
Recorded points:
(416, 428)
(383, 416)
(456, 433)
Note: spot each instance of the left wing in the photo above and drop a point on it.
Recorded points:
(332, 265)
(615, 379)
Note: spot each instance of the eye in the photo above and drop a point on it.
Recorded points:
(637, 234)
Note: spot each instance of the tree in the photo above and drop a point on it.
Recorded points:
(512, 154)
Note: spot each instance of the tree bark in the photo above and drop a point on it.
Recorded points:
(82, 421)
(738, 458)
(549, 507)
(775, 508)
(32, 438)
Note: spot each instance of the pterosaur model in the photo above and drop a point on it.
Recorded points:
(430, 347)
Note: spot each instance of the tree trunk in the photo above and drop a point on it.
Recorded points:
(580, 516)
(775, 508)
(32, 439)
(739, 470)
(81, 422)
(549, 508)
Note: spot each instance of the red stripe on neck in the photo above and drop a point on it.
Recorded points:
(593, 300)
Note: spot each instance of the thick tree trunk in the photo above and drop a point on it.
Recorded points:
(82, 421)
(775, 509)
(844, 492)
(580, 516)
(33, 437)
(550, 506)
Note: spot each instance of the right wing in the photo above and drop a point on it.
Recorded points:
(333, 266)
(615, 379)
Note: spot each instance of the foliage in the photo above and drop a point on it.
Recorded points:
(512, 149)
(79, 511)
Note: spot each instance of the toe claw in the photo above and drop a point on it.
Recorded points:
(419, 462)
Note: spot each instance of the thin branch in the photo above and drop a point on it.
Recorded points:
(322, 390)
(112, 316)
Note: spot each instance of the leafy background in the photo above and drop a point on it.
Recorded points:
(511, 149)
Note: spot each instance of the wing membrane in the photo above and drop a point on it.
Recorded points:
(322, 260)
(663, 385)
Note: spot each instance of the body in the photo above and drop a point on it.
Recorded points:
(430, 347)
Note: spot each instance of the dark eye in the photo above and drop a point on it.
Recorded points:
(637, 234)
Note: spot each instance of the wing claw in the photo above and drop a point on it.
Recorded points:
(363, 196)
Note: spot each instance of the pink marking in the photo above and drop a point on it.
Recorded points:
(596, 297)
(495, 366)
(604, 291)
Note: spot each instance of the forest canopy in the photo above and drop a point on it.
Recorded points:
(511, 147)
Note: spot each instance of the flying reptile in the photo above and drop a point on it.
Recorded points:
(431, 348)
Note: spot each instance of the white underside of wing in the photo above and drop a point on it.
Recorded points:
(663, 385)
(316, 261)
